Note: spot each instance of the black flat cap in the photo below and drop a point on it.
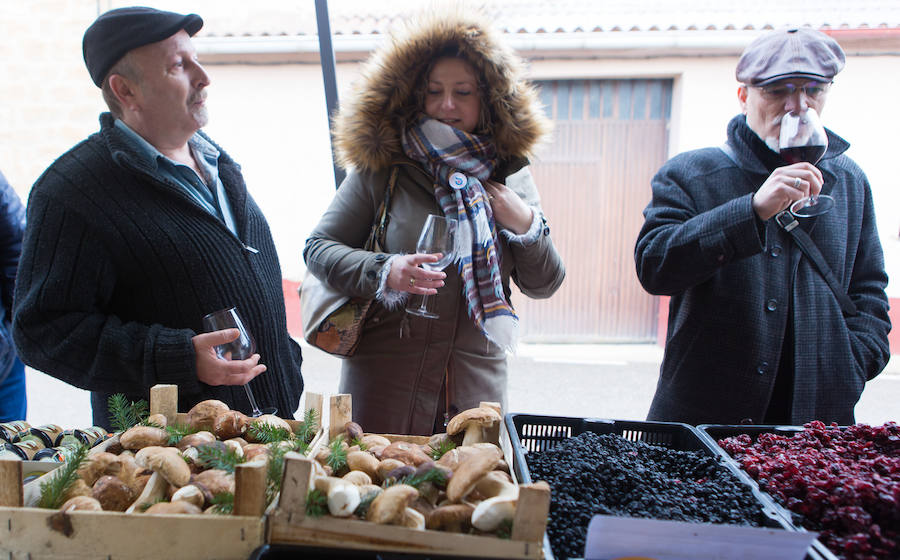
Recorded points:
(118, 31)
(797, 52)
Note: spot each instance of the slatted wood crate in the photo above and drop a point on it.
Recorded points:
(34, 534)
(289, 524)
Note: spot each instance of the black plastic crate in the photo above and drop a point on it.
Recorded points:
(528, 433)
(712, 433)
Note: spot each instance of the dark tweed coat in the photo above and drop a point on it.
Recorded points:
(735, 281)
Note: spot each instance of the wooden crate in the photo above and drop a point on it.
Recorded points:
(288, 523)
(34, 533)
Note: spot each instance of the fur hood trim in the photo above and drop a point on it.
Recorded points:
(368, 124)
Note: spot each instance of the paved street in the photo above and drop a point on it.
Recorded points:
(605, 381)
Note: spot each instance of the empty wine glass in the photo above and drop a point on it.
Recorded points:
(438, 236)
(803, 138)
(240, 348)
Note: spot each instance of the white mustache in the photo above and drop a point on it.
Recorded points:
(198, 97)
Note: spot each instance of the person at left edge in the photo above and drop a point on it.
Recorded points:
(13, 401)
(143, 228)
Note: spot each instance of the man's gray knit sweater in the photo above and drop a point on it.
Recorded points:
(118, 269)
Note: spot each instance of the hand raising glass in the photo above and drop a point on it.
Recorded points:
(240, 348)
(803, 138)
(438, 236)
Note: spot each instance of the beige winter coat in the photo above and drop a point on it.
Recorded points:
(398, 372)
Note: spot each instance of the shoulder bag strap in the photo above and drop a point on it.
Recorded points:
(375, 242)
(789, 224)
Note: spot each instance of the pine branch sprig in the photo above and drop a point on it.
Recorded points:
(316, 503)
(178, 431)
(267, 433)
(337, 458)
(124, 414)
(216, 457)
(442, 448)
(223, 503)
(306, 431)
(53, 491)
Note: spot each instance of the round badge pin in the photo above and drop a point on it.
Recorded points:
(458, 180)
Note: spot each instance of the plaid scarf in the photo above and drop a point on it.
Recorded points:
(459, 161)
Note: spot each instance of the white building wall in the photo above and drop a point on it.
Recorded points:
(271, 118)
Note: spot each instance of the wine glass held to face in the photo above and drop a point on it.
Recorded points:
(785, 115)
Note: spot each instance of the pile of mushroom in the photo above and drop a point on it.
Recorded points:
(477, 496)
(142, 474)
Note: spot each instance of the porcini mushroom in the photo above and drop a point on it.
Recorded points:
(169, 508)
(81, 503)
(230, 424)
(490, 513)
(473, 421)
(139, 437)
(99, 464)
(195, 439)
(385, 466)
(408, 453)
(389, 507)
(352, 432)
(471, 471)
(167, 462)
(357, 478)
(413, 519)
(158, 420)
(190, 493)
(216, 481)
(154, 491)
(497, 483)
(365, 462)
(453, 518)
(202, 416)
(112, 493)
(343, 496)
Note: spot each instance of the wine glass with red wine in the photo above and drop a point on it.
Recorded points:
(803, 138)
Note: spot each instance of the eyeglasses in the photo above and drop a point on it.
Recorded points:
(813, 90)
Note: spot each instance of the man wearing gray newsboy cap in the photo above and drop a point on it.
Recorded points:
(143, 228)
(778, 312)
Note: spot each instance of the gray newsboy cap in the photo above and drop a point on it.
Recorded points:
(118, 31)
(796, 52)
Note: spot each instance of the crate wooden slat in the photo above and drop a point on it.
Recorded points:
(289, 524)
(40, 533)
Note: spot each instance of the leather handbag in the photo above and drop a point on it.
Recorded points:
(333, 321)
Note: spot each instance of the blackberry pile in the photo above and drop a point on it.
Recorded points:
(606, 474)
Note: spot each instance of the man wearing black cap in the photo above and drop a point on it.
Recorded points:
(762, 329)
(142, 229)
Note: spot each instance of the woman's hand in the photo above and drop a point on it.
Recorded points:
(407, 276)
(510, 211)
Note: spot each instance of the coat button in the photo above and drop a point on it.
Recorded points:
(380, 258)
(547, 230)
(370, 275)
(772, 305)
(762, 368)
(775, 251)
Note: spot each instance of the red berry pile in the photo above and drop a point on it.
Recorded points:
(843, 482)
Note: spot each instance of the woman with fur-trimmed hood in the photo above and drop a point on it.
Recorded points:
(443, 104)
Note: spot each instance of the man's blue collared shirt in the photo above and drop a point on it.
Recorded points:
(206, 155)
